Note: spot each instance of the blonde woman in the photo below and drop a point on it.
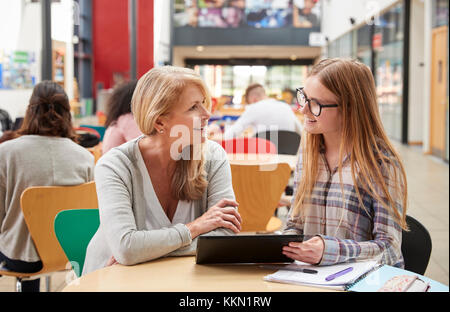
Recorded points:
(160, 191)
(350, 185)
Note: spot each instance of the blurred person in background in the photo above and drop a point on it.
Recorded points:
(44, 154)
(120, 124)
(8, 128)
(6, 122)
(261, 113)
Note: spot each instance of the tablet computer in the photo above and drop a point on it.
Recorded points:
(258, 248)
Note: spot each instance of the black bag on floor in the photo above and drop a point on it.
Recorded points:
(87, 139)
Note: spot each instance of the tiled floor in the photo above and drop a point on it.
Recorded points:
(428, 188)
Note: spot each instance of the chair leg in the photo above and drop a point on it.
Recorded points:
(48, 283)
(18, 285)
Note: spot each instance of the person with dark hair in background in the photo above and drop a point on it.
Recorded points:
(44, 154)
(120, 124)
(8, 127)
(5, 121)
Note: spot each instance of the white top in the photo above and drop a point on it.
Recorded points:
(35, 160)
(265, 115)
(182, 213)
(133, 225)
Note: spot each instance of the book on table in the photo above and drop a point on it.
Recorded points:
(364, 276)
(320, 279)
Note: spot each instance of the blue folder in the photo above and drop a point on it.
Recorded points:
(375, 279)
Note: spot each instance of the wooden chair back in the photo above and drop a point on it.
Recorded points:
(40, 205)
(258, 189)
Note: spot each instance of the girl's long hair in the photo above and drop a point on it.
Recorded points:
(156, 93)
(363, 136)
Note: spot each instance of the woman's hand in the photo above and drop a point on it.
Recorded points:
(111, 261)
(223, 214)
(309, 251)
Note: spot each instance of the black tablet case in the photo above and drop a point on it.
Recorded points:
(243, 248)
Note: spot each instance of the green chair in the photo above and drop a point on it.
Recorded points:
(100, 129)
(74, 229)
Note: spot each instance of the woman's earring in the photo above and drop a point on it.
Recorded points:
(161, 131)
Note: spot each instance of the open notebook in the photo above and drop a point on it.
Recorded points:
(366, 276)
(319, 279)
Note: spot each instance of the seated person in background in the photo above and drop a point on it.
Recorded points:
(10, 132)
(5, 121)
(44, 154)
(262, 113)
(160, 191)
(346, 154)
(7, 135)
(120, 124)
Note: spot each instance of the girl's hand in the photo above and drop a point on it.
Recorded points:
(310, 251)
(223, 214)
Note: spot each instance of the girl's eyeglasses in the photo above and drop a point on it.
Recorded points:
(314, 106)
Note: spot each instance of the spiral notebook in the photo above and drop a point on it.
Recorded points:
(366, 276)
(358, 270)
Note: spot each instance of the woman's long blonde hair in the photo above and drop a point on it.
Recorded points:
(156, 94)
(362, 134)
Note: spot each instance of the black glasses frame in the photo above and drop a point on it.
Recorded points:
(300, 91)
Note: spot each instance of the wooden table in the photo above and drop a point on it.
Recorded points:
(252, 159)
(181, 274)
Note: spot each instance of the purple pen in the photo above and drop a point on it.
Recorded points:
(337, 274)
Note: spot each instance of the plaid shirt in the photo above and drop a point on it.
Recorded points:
(360, 236)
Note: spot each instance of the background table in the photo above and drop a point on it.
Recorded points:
(181, 274)
(257, 159)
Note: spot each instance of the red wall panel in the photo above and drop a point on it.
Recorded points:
(111, 45)
(110, 40)
(145, 37)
